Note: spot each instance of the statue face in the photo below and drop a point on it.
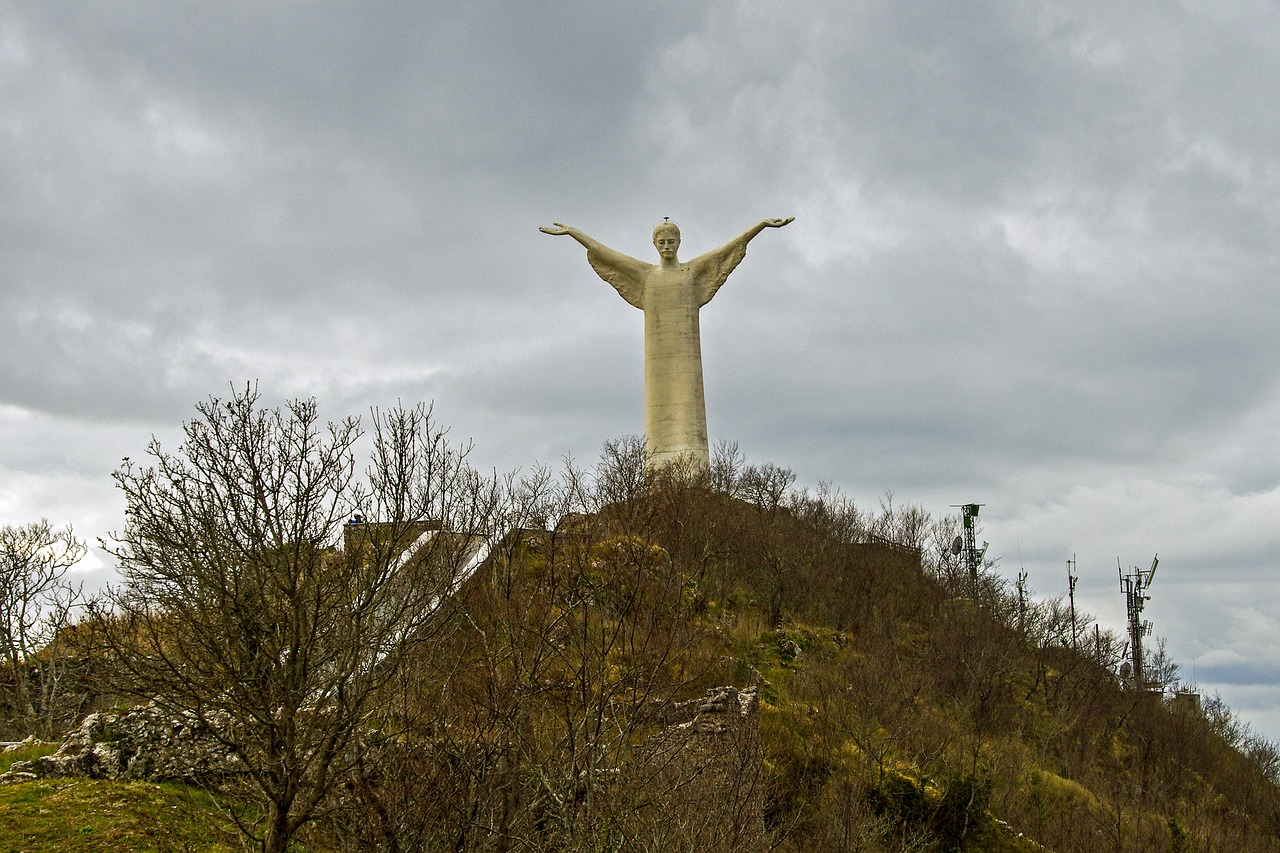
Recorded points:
(667, 244)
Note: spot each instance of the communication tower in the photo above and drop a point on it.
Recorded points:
(967, 543)
(1134, 586)
(1072, 577)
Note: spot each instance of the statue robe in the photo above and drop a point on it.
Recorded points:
(675, 409)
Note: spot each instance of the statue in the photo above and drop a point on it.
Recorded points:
(670, 293)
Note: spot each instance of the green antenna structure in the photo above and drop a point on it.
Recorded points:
(967, 543)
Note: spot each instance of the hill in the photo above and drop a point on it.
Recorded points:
(684, 662)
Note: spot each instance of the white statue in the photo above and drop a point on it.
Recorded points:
(670, 294)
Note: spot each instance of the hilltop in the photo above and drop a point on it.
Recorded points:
(679, 660)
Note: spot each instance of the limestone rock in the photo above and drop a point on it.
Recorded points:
(145, 742)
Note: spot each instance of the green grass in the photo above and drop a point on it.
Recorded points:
(82, 815)
(27, 753)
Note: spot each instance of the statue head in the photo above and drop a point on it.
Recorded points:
(666, 238)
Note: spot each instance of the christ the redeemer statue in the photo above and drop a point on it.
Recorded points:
(670, 294)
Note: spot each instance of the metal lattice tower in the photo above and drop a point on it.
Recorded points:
(972, 556)
(1134, 586)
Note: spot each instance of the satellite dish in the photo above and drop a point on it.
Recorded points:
(957, 544)
(1126, 669)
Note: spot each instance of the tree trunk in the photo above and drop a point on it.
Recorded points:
(277, 837)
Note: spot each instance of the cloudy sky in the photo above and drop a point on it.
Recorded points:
(1034, 261)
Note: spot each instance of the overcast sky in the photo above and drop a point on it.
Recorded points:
(1034, 262)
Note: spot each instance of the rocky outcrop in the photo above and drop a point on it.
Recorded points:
(708, 756)
(145, 742)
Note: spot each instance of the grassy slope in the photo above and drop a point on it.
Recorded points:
(81, 815)
(904, 679)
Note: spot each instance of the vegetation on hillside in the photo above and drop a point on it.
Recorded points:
(94, 816)
(530, 702)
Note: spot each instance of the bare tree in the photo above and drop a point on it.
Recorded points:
(239, 607)
(36, 604)
(572, 652)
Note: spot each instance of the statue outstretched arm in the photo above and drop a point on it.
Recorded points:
(712, 268)
(763, 224)
(559, 229)
(625, 273)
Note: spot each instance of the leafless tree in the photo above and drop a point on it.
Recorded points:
(239, 606)
(36, 605)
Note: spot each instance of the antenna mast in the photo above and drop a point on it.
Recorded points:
(972, 555)
(1134, 586)
(1022, 601)
(1072, 577)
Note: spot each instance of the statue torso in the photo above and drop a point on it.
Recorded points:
(671, 312)
(675, 414)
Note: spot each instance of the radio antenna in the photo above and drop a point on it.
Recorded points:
(1135, 586)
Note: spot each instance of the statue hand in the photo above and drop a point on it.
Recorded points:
(777, 223)
(558, 229)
